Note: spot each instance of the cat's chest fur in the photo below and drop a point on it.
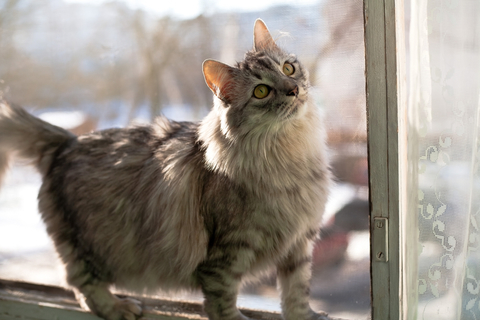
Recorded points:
(270, 191)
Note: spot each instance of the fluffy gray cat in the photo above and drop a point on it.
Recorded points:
(188, 205)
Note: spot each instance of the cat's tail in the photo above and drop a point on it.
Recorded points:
(28, 137)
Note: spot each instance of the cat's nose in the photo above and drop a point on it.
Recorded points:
(293, 92)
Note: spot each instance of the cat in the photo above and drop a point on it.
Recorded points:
(188, 205)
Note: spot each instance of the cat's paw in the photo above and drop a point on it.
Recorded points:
(129, 308)
(124, 309)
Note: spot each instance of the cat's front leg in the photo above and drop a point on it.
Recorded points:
(294, 273)
(220, 279)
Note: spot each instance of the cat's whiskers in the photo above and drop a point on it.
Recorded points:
(289, 110)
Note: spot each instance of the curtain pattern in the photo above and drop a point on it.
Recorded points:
(444, 147)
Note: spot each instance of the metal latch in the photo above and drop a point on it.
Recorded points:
(380, 239)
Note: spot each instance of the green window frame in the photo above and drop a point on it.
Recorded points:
(385, 83)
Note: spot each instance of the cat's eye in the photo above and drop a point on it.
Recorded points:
(288, 69)
(261, 91)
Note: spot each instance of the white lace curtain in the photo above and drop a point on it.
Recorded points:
(444, 160)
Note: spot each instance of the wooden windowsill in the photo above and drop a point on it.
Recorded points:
(20, 300)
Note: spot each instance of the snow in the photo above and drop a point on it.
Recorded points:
(65, 119)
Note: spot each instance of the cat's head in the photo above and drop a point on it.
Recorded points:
(268, 88)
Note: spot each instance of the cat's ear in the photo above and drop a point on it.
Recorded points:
(262, 39)
(220, 78)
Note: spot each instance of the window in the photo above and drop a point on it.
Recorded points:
(423, 150)
(105, 84)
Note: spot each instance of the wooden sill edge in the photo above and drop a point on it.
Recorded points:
(21, 300)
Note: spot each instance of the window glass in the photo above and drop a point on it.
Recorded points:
(92, 65)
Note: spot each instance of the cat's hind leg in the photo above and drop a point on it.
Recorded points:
(85, 271)
(103, 303)
(93, 292)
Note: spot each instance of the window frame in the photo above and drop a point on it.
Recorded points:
(385, 83)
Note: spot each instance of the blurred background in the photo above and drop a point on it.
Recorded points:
(91, 65)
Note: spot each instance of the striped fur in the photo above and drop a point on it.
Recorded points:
(188, 205)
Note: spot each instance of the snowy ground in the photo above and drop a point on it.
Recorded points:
(27, 254)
